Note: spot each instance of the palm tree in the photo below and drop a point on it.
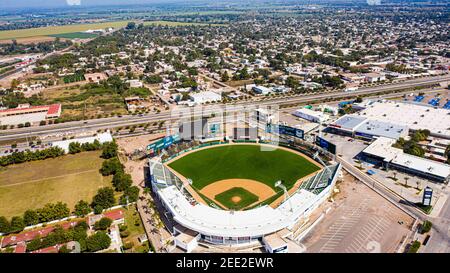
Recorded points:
(418, 184)
(146, 191)
(395, 175)
(406, 180)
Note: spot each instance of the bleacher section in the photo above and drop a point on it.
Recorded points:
(447, 105)
(419, 98)
(319, 181)
(434, 101)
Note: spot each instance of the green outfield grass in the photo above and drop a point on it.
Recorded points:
(246, 198)
(69, 179)
(243, 161)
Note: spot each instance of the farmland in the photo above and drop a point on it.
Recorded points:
(75, 31)
(54, 30)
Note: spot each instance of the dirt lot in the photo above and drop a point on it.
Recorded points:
(360, 221)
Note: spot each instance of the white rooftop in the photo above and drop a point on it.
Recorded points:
(414, 116)
(382, 147)
(254, 222)
(102, 138)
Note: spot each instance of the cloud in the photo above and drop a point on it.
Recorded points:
(73, 2)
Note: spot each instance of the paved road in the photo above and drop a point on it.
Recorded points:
(105, 123)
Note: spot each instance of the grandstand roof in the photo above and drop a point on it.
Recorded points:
(254, 222)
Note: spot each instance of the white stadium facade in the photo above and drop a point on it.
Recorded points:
(273, 227)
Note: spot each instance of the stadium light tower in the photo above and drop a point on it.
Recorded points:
(279, 184)
(316, 156)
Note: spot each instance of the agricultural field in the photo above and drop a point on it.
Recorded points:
(69, 179)
(76, 31)
(54, 30)
(175, 24)
(75, 35)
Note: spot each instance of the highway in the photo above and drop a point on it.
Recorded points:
(112, 122)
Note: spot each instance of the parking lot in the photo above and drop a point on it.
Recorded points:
(360, 221)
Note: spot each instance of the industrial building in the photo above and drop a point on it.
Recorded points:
(32, 114)
(413, 116)
(101, 138)
(361, 127)
(311, 115)
(204, 97)
(381, 152)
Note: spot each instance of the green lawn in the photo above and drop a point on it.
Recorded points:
(243, 161)
(246, 198)
(33, 184)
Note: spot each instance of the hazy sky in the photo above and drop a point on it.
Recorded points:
(54, 3)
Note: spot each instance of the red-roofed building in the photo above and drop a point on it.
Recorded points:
(50, 249)
(32, 114)
(21, 248)
(117, 216)
(30, 235)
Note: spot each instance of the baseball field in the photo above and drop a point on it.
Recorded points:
(238, 176)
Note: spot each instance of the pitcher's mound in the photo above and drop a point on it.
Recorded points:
(236, 199)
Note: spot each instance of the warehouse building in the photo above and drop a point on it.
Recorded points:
(311, 115)
(32, 114)
(360, 127)
(413, 116)
(381, 152)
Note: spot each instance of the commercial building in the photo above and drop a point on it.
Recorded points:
(262, 90)
(361, 127)
(204, 97)
(413, 116)
(102, 138)
(381, 152)
(32, 114)
(311, 115)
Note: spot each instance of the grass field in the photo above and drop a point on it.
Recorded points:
(47, 31)
(73, 31)
(243, 161)
(236, 198)
(75, 35)
(33, 184)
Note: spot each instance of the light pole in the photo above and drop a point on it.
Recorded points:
(279, 184)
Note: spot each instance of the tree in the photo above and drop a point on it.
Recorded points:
(74, 147)
(103, 199)
(103, 224)
(130, 195)
(111, 166)
(100, 240)
(82, 208)
(17, 224)
(5, 226)
(122, 181)
(406, 180)
(31, 217)
(131, 25)
(109, 150)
